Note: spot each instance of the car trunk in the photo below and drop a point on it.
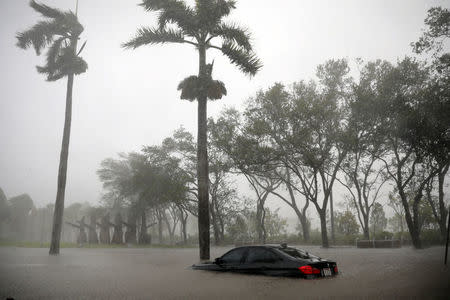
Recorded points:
(327, 268)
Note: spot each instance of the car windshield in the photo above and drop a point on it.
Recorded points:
(298, 253)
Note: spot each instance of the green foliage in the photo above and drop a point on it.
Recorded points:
(21, 207)
(431, 237)
(346, 223)
(243, 228)
(59, 32)
(238, 229)
(378, 219)
(152, 179)
(274, 224)
(437, 29)
(4, 207)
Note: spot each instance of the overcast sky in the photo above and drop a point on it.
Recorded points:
(128, 98)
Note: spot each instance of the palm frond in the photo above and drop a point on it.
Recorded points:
(182, 16)
(216, 90)
(234, 34)
(147, 36)
(38, 36)
(154, 5)
(246, 61)
(189, 88)
(210, 12)
(65, 63)
(54, 51)
(47, 11)
(173, 11)
(59, 31)
(71, 24)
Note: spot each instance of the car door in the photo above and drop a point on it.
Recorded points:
(260, 260)
(233, 259)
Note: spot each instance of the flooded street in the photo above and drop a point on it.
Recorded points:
(156, 273)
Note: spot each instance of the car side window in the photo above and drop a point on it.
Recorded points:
(234, 256)
(260, 255)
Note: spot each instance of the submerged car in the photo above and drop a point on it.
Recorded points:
(271, 260)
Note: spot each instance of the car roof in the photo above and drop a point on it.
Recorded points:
(265, 246)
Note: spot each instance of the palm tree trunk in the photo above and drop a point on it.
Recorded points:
(62, 173)
(202, 163)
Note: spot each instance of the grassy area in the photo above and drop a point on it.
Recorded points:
(74, 245)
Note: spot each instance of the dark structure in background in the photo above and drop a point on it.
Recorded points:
(117, 237)
(92, 229)
(131, 228)
(105, 224)
(81, 226)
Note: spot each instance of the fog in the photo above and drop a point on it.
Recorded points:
(322, 124)
(128, 98)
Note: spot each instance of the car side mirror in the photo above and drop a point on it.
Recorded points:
(218, 261)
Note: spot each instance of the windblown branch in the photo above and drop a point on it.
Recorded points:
(146, 36)
(246, 61)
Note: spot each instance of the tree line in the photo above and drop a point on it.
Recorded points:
(390, 124)
(387, 127)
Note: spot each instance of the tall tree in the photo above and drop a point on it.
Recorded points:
(267, 123)
(397, 221)
(199, 26)
(401, 96)
(246, 154)
(59, 32)
(362, 169)
(318, 135)
(222, 194)
(435, 36)
(432, 126)
(378, 219)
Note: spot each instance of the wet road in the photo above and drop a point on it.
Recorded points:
(152, 273)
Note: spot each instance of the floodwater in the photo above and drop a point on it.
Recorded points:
(151, 273)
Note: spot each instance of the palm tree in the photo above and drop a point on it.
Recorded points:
(59, 32)
(199, 26)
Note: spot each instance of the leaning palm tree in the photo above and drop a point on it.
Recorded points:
(59, 32)
(200, 25)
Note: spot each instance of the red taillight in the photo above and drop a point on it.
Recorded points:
(335, 270)
(308, 270)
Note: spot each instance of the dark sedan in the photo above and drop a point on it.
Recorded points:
(272, 260)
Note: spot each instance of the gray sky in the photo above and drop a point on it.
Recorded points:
(129, 98)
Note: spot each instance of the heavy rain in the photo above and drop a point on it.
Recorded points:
(221, 149)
